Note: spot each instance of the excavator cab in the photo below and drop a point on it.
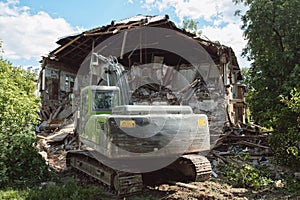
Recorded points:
(97, 100)
(104, 100)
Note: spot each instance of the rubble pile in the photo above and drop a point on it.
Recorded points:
(54, 113)
(243, 137)
(249, 139)
(53, 146)
(56, 132)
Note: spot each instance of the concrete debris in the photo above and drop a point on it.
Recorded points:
(54, 114)
(47, 184)
(297, 174)
(53, 146)
(279, 184)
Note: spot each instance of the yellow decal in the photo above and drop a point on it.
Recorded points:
(127, 123)
(201, 122)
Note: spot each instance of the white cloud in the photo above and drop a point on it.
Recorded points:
(191, 9)
(208, 10)
(220, 23)
(150, 1)
(130, 1)
(230, 35)
(227, 9)
(29, 36)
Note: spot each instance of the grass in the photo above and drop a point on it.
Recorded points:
(11, 194)
(69, 190)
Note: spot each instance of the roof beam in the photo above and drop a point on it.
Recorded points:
(66, 45)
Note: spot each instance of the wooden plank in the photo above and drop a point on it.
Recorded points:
(44, 115)
(56, 112)
(186, 185)
(66, 45)
(57, 137)
(218, 156)
(252, 144)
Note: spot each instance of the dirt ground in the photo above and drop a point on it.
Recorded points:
(205, 190)
(213, 189)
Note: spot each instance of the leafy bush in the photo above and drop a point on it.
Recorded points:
(20, 164)
(10, 194)
(286, 144)
(286, 147)
(245, 175)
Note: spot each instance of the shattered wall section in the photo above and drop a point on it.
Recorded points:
(56, 88)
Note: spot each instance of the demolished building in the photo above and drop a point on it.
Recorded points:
(218, 80)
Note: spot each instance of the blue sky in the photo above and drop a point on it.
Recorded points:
(30, 28)
(87, 14)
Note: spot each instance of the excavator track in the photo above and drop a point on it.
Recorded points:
(186, 168)
(121, 183)
(195, 167)
(192, 167)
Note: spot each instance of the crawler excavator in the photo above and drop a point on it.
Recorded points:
(124, 142)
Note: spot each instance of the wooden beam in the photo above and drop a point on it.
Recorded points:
(186, 185)
(252, 144)
(66, 45)
(78, 47)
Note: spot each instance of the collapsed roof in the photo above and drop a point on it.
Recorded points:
(74, 49)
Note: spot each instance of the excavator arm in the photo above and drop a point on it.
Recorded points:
(114, 74)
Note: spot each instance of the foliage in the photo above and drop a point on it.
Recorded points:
(67, 190)
(292, 185)
(10, 194)
(246, 80)
(273, 33)
(288, 147)
(20, 163)
(240, 172)
(246, 76)
(294, 103)
(1, 49)
(245, 175)
(192, 26)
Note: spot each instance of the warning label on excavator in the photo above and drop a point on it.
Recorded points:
(127, 123)
(201, 122)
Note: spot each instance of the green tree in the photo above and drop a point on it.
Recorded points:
(246, 76)
(272, 28)
(192, 26)
(19, 161)
(246, 81)
(1, 48)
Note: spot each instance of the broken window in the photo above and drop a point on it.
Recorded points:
(69, 83)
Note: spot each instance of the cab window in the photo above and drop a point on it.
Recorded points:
(103, 100)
